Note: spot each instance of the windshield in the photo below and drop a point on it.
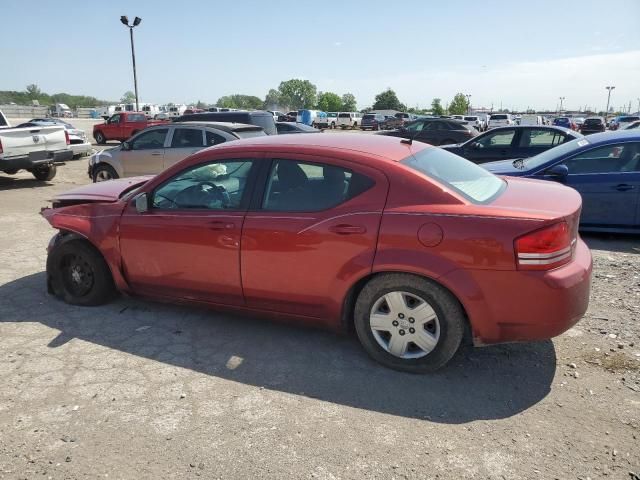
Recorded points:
(498, 117)
(344, 115)
(542, 158)
(468, 179)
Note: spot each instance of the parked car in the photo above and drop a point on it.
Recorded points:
(37, 150)
(256, 117)
(309, 117)
(458, 117)
(150, 110)
(410, 244)
(578, 122)
(512, 142)
(593, 125)
(78, 142)
(332, 119)
(622, 122)
(349, 120)
(373, 121)
(189, 111)
(500, 120)
(121, 126)
(157, 148)
(603, 167)
(565, 122)
(294, 127)
(436, 131)
(276, 113)
(291, 116)
(531, 120)
(392, 122)
(473, 121)
(633, 126)
(176, 110)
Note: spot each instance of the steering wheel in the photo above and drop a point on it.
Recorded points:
(202, 194)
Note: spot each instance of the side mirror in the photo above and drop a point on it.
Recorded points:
(142, 203)
(126, 146)
(560, 170)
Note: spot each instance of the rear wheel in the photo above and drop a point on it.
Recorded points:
(79, 275)
(45, 173)
(355, 125)
(408, 323)
(100, 138)
(104, 172)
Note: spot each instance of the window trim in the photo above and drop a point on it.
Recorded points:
(174, 129)
(595, 147)
(247, 195)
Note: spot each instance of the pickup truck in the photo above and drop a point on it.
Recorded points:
(121, 126)
(35, 149)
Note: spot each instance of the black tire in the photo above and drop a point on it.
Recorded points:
(45, 173)
(12, 171)
(102, 171)
(450, 317)
(79, 275)
(447, 142)
(100, 138)
(354, 126)
(333, 125)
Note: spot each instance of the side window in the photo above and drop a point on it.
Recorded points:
(213, 138)
(418, 126)
(532, 137)
(186, 138)
(210, 186)
(115, 119)
(499, 139)
(609, 159)
(310, 187)
(150, 140)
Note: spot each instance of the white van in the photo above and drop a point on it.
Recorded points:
(176, 110)
(500, 120)
(150, 110)
(531, 120)
(349, 120)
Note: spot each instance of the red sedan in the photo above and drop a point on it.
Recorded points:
(408, 243)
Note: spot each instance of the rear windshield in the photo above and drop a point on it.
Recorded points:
(344, 115)
(137, 117)
(368, 117)
(498, 117)
(468, 179)
(593, 121)
(266, 122)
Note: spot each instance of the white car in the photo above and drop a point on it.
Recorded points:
(78, 141)
(500, 120)
(531, 120)
(474, 121)
(349, 120)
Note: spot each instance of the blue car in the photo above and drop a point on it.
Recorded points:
(604, 168)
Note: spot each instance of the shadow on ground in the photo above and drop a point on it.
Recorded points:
(485, 383)
(11, 183)
(613, 242)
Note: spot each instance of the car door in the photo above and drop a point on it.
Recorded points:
(313, 230)
(533, 141)
(184, 141)
(187, 245)
(492, 145)
(112, 128)
(143, 154)
(608, 178)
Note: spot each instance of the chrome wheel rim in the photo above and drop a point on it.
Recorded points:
(404, 325)
(103, 176)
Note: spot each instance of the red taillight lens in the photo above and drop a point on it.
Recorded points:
(546, 248)
(66, 137)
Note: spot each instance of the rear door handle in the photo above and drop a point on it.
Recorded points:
(156, 154)
(219, 225)
(343, 229)
(623, 187)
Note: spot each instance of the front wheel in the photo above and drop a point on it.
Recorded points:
(44, 174)
(104, 172)
(100, 138)
(79, 275)
(408, 323)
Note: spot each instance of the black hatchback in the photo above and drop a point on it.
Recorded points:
(436, 131)
(593, 125)
(503, 143)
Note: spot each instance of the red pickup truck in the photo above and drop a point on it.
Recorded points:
(121, 126)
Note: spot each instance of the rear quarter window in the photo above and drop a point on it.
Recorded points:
(460, 175)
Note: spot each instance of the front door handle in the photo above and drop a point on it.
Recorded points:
(344, 229)
(219, 225)
(156, 153)
(623, 187)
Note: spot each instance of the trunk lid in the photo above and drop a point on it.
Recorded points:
(21, 141)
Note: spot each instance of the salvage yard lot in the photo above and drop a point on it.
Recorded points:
(137, 389)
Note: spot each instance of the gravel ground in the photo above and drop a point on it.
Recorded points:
(142, 390)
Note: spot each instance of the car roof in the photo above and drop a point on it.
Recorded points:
(377, 148)
(554, 128)
(614, 136)
(224, 126)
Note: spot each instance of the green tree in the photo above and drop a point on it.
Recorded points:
(459, 105)
(436, 107)
(272, 100)
(329, 102)
(297, 93)
(249, 102)
(388, 100)
(128, 97)
(349, 102)
(33, 91)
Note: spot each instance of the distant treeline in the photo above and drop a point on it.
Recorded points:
(34, 93)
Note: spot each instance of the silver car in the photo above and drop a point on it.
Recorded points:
(156, 148)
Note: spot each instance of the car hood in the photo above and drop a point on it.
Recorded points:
(504, 167)
(100, 192)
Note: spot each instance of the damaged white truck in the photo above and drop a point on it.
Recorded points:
(35, 149)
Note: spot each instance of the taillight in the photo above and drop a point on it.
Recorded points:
(546, 248)
(66, 137)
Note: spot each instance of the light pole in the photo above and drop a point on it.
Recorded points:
(561, 100)
(606, 112)
(638, 105)
(136, 22)
(468, 103)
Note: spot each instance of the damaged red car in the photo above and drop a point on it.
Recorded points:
(411, 245)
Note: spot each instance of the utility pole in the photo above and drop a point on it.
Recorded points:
(136, 21)
(561, 101)
(468, 103)
(606, 112)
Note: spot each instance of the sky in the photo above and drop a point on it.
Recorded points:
(512, 53)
